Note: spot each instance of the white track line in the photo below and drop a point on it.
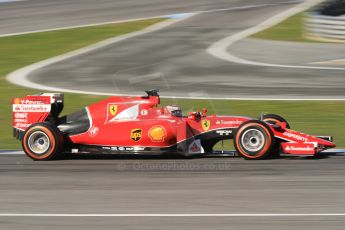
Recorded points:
(19, 77)
(172, 215)
(81, 26)
(9, 1)
(220, 49)
(11, 152)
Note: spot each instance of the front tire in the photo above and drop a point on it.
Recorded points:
(274, 119)
(42, 141)
(254, 140)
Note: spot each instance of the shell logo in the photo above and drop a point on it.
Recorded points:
(157, 133)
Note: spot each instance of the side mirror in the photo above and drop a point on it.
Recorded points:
(195, 116)
(204, 112)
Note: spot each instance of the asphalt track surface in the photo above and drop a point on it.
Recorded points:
(110, 184)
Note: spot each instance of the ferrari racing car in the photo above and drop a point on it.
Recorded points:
(138, 125)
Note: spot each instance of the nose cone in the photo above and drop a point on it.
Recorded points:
(325, 143)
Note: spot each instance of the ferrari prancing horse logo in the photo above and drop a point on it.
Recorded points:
(111, 112)
(112, 109)
(205, 124)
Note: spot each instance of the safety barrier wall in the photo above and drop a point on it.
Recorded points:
(325, 27)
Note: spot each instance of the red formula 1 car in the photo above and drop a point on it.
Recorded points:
(138, 125)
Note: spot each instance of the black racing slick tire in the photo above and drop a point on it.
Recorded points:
(274, 118)
(42, 141)
(254, 140)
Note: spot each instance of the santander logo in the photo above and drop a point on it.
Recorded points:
(31, 108)
(229, 122)
(288, 148)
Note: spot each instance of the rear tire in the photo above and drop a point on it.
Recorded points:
(254, 140)
(42, 141)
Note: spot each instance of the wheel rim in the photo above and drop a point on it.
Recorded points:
(38, 142)
(253, 140)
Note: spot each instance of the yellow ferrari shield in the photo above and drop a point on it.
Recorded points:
(112, 109)
(205, 124)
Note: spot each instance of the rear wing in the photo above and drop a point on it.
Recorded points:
(34, 108)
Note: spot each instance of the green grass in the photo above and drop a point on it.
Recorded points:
(291, 29)
(312, 117)
(19, 51)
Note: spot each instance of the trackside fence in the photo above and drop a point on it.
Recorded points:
(325, 27)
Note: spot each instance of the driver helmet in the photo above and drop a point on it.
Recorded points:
(174, 110)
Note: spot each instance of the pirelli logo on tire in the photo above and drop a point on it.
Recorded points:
(136, 134)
